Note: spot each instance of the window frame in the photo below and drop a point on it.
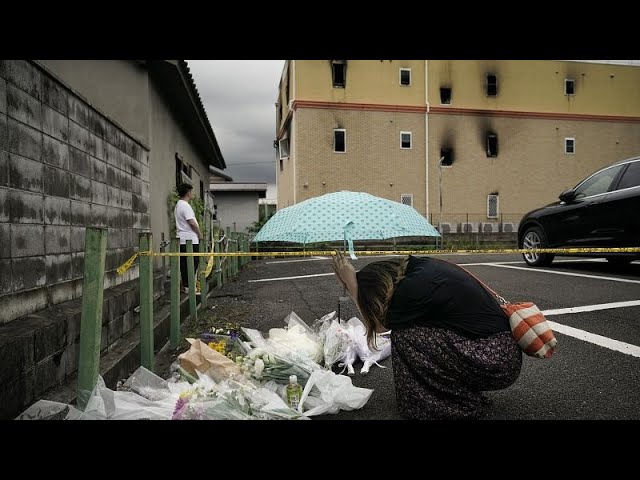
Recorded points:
(280, 142)
(566, 82)
(497, 149)
(406, 195)
(566, 140)
(497, 197)
(450, 95)
(404, 69)
(410, 147)
(344, 73)
(344, 131)
(495, 84)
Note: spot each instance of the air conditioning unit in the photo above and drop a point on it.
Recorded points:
(469, 227)
(509, 227)
(447, 228)
(490, 227)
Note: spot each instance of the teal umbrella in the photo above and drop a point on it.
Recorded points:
(345, 216)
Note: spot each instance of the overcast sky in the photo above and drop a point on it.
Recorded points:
(240, 96)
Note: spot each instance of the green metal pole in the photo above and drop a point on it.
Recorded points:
(227, 270)
(91, 316)
(216, 248)
(146, 302)
(191, 274)
(203, 279)
(235, 250)
(175, 295)
(234, 260)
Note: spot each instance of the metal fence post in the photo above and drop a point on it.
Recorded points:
(91, 316)
(146, 302)
(175, 295)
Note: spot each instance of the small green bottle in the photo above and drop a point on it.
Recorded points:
(294, 392)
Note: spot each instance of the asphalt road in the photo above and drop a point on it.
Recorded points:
(583, 380)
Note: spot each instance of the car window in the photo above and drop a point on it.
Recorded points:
(631, 177)
(599, 183)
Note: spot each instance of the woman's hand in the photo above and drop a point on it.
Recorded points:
(346, 273)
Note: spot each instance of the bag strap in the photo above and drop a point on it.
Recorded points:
(500, 299)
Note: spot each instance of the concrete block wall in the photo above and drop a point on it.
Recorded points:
(63, 166)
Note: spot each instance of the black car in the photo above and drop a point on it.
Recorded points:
(602, 211)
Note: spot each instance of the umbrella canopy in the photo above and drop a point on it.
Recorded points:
(345, 216)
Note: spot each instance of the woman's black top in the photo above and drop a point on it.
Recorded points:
(436, 293)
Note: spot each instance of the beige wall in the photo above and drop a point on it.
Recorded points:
(368, 81)
(373, 159)
(531, 168)
(538, 86)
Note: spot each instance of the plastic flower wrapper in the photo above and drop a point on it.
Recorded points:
(350, 357)
(296, 339)
(368, 356)
(321, 325)
(337, 342)
(257, 401)
(326, 392)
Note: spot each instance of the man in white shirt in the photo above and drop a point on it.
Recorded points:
(187, 228)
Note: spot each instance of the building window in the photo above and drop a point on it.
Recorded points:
(202, 190)
(446, 157)
(405, 140)
(407, 199)
(492, 145)
(284, 148)
(445, 95)
(405, 76)
(183, 171)
(492, 85)
(339, 140)
(339, 73)
(493, 205)
(281, 164)
(569, 86)
(178, 170)
(569, 146)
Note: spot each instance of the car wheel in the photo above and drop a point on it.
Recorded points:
(534, 237)
(619, 260)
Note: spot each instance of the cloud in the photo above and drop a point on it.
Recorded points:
(239, 97)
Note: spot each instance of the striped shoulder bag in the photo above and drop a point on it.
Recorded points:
(528, 325)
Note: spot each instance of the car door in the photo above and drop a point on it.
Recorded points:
(579, 222)
(620, 224)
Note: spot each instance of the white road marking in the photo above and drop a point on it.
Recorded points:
(291, 278)
(609, 343)
(540, 270)
(591, 308)
(310, 259)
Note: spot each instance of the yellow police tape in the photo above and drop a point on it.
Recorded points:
(558, 251)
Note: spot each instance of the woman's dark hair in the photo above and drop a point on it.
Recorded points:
(376, 284)
(183, 189)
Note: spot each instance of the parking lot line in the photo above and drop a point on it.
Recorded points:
(592, 308)
(290, 278)
(311, 259)
(541, 270)
(599, 340)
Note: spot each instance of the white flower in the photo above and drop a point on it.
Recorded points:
(258, 368)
